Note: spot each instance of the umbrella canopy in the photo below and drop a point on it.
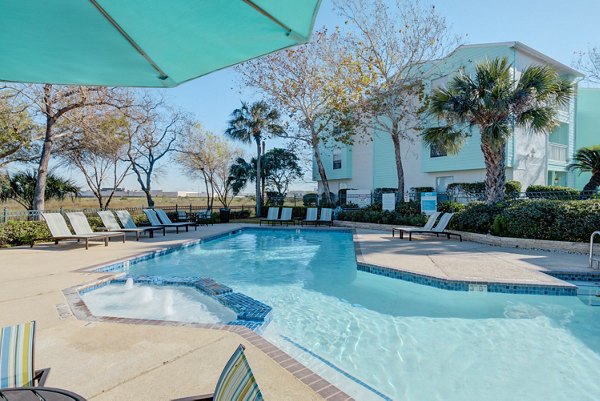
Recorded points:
(150, 43)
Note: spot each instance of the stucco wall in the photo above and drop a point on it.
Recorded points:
(588, 125)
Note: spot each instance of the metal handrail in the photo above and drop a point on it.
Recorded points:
(592, 259)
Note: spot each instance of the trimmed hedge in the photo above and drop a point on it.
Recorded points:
(547, 191)
(22, 232)
(512, 187)
(385, 217)
(537, 219)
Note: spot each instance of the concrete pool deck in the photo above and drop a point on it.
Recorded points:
(108, 361)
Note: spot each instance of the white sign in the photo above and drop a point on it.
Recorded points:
(360, 197)
(406, 196)
(388, 202)
(428, 202)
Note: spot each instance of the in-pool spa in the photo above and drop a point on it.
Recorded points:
(144, 301)
(380, 338)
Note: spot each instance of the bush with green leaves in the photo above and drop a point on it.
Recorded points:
(15, 233)
(382, 217)
(551, 192)
(513, 188)
(476, 217)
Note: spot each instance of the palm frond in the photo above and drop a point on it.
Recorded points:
(586, 160)
(445, 138)
(541, 120)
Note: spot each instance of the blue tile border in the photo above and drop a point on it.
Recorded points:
(251, 313)
(457, 285)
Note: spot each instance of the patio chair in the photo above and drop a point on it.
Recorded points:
(127, 222)
(236, 383)
(286, 216)
(272, 216)
(17, 356)
(162, 216)
(182, 215)
(81, 226)
(439, 229)
(428, 226)
(326, 217)
(154, 221)
(311, 216)
(60, 231)
(111, 224)
(204, 217)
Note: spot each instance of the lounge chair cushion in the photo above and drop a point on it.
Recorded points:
(126, 219)
(237, 383)
(16, 356)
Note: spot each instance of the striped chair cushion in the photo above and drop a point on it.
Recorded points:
(16, 355)
(237, 383)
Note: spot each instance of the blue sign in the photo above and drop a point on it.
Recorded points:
(428, 202)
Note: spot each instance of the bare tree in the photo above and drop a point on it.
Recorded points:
(96, 146)
(152, 131)
(588, 62)
(208, 156)
(393, 41)
(315, 85)
(55, 103)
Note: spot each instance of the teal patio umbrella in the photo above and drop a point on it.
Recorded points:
(149, 43)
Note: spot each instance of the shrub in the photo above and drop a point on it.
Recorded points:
(412, 207)
(15, 233)
(450, 207)
(240, 214)
(550, 192)
(382, 217)
(310, 200)
(549, 220)
(512, 188)
(476, 217)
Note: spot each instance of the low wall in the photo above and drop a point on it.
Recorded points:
(524, 243)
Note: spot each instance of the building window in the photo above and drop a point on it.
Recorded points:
(337, 158)
(441, 183)
(435, 151)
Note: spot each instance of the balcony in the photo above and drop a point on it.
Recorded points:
(557, 152)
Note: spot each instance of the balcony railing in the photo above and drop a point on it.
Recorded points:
(557, 152)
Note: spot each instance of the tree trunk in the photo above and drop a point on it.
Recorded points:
(42, 173)
(322, 173)
(258, 181)
(495, 171)
(398, 156)
(593, 183)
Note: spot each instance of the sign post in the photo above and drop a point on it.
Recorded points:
(428, 202)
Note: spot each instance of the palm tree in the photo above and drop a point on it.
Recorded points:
(495, 102)
(588, 160)
(249, 123)
(20, 187)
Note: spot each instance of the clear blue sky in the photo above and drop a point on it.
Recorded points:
(556, 28)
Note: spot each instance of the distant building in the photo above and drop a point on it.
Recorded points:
(530, 158)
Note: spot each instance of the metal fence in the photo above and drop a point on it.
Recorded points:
(357, 201)
(24, 215)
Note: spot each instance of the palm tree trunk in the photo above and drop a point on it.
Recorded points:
(398, 155)
(258, 181)
(494, 155)
(593, 183)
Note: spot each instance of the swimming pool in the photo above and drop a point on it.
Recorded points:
(381, 338)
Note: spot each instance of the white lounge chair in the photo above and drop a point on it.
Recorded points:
(162, 216)
(155, 221)
(439, 229)
(286, 216)
(127, 222)
(311, 216)
(272, 216)
(60, 230)
(428, 226)
(326, 217)
(81, 226)
(111, 224)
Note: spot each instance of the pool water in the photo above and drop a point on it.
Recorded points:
(178, 303)
(381, 338)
